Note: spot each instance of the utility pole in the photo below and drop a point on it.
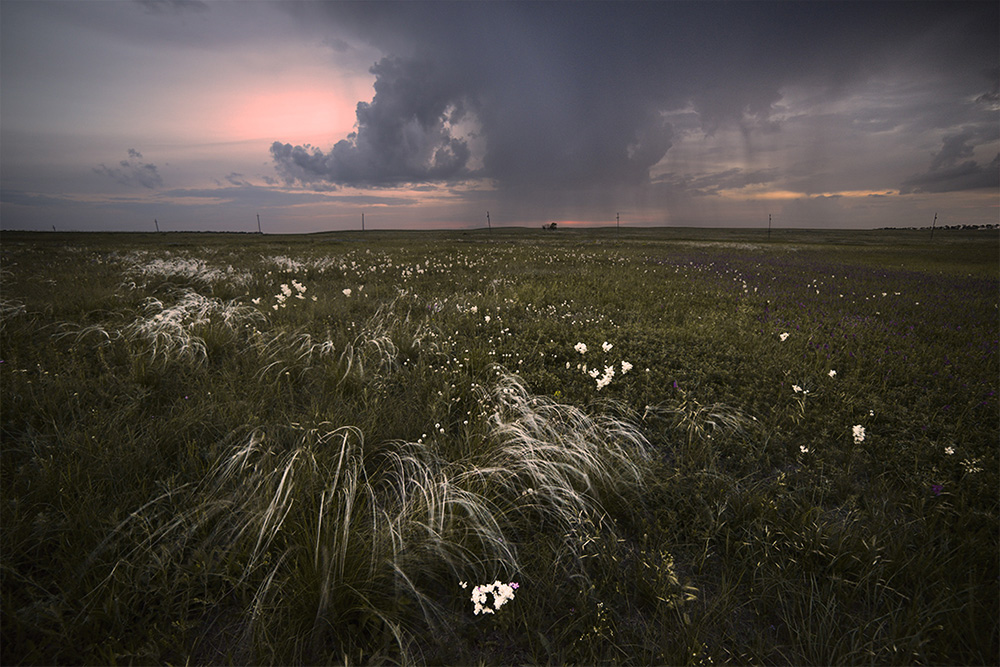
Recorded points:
(362, 222)
(768, 226)
(933, 224)
(488, 225)
(258, 224)
(618, 217)
(157, 225)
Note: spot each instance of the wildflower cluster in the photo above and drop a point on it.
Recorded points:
(602, 379)
(501, 593)
(286, 293)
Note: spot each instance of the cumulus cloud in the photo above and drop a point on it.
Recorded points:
(132, 171)
(404, 135)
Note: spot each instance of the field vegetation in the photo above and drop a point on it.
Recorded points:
(524, 446)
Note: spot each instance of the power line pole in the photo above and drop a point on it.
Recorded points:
(488, 225)
(157, 225)
(258, 224)
(933, 224)
(362, 222)
(618, 217)
(768, 226)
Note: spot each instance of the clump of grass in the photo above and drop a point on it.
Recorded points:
(699, 424)
(181, 271)
(566, 460)
(345, 545)
(184, 331)
(10, 308)
(342, 541)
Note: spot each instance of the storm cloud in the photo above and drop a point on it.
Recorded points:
(969, 175)
(403, 136)
(953, 167)
(577, 98)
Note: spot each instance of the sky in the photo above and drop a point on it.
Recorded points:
(186, 115)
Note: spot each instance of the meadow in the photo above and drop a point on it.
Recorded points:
(664, 446)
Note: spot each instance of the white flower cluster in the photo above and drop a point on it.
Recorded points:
(287, 293)
(603, 380)
(502, 593)
(971, 466)
(859, 434)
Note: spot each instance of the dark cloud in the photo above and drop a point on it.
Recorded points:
(952, 169)
(574, 96)
(133, 171)
(991, 98)
(969, 175)
(954, 147)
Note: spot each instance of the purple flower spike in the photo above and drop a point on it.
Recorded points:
(936, 489)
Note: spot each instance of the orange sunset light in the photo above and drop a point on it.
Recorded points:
(772, 195)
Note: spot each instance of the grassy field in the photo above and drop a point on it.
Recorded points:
(671, 446)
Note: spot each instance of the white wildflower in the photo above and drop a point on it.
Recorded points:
(971, 466)
(502, 593)
(783, 336)
(626, 367)
(859, 434)
(606, 346)
(949, 450)
(832, 373)
(581, 348)
(347, 292)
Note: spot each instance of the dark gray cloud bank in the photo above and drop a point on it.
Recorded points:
(579, 95)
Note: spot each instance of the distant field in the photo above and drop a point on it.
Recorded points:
(655, 446)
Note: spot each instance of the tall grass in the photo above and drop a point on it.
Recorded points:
(192, 474)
